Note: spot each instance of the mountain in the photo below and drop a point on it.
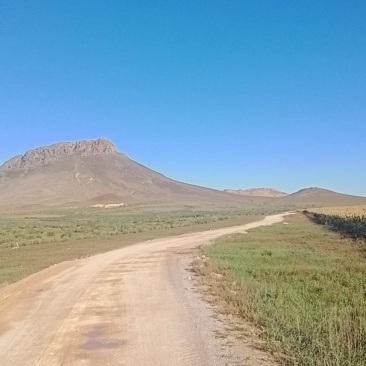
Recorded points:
(320, 197)
(92, 172)
(258, 192)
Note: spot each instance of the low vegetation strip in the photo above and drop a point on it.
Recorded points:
(353, 226)
(30, 244)
(303, 286)
(34, 230)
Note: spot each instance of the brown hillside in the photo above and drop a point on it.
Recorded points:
(320, 197)
(92, 172)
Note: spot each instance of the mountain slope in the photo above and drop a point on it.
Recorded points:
(91, 171)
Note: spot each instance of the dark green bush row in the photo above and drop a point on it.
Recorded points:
(352, 226)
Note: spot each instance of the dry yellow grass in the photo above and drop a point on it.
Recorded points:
(343, 211)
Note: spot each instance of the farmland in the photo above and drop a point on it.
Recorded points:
(349, 221)
(343, 211)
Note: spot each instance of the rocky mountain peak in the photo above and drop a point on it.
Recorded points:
(258, 192)
(46, 154)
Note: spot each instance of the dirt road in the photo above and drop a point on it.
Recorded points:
(134, 306)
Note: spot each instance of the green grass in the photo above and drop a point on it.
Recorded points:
(31, 243)
(304, 287)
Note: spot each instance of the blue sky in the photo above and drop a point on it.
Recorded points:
(225, 94)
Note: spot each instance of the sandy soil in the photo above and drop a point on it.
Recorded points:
(133, 306)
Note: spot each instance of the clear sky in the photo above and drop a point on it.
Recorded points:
(225, 94)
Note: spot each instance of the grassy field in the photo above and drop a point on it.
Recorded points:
(30, 243)
(303, 286)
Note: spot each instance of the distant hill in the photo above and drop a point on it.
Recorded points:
(320, 197)
(258, 192)
(92, 172)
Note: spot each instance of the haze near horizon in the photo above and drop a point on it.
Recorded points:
(221, 94)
